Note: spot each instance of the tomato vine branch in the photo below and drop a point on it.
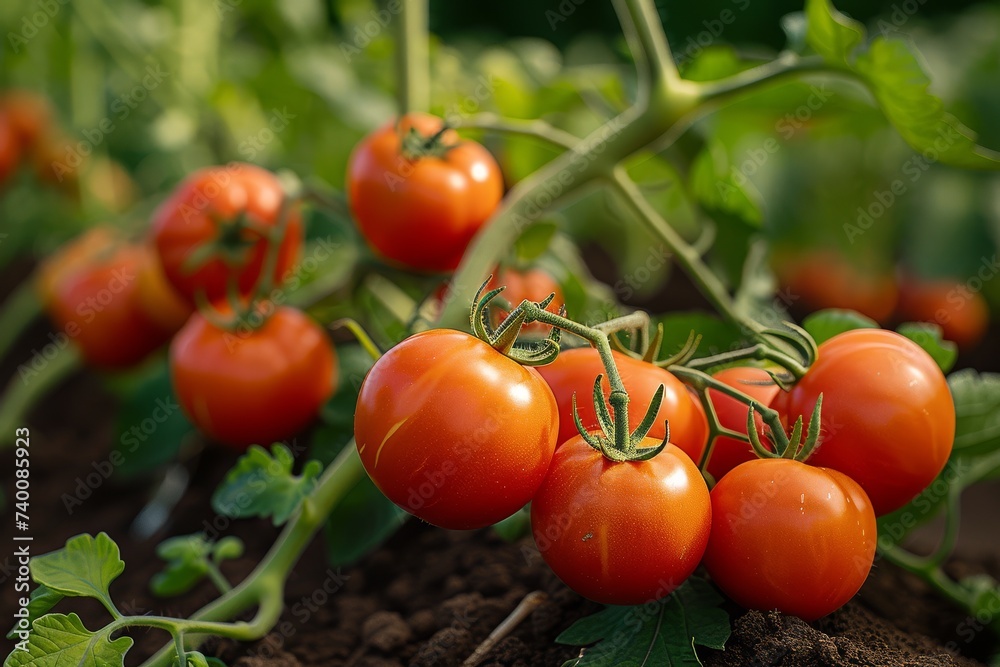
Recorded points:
(265, 585)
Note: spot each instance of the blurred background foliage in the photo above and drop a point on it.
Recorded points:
(145, 92)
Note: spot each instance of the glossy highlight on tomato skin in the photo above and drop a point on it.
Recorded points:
(621, 533)
(791, 537)
(253, 388)
(574, 371)
(453, 431)
(888, 418)
(421, 213)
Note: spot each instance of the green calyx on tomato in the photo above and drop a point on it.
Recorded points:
(791, 447)
(416, 145)
(504, 338)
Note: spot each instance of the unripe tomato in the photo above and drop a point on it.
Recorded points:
(98, 307)
(621, 533)
(729, 452)
(453, 431)
(421, 212)
(574, 371)
(888, 419)
(962, 314)
(790, 536)
(253, 386)
(197, 212)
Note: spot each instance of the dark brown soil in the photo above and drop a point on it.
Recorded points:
(429, 597)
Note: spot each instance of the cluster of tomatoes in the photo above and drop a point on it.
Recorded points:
(462, 436)
(244, 369)
(821, 280)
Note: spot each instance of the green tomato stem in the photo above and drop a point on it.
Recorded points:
(537, 129)
(599, 339)
(22, 394)
(19, 311)
(413, 57)
(265, 585)
(758, 352)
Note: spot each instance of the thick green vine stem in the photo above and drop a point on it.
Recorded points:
(615, 441)
(264, 587)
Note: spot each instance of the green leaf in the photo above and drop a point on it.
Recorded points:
(151, 427)
(189, 558)
(663, 633)
(929, 337)
(825, 324)
(716, 336)
(514, 527)
(262, 485)
(977, 412)
(901, 88)
(41, 601)
(535, 240)
(58, 640)
(85, 567)
(830, 33)
(361, 522)
(714, 186)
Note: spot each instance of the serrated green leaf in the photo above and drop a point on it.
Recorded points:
(261, 484)
(189, 559)
(59, 640)
(227, 548)
(663, 633)
(825, 324)
(977, 412)
(40, 602)
(85, 567)
(830, 33)
(901, 88)
(535, 240)
(361, 522)
(928, 336)
(714, 186)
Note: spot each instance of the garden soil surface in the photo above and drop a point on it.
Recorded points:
(428, 597)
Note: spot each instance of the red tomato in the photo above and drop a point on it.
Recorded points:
(30, 116)
(575, 371)
(253, 388)
(824, 279)
(729, 452)
(888, 420)
(195, 214)
(962, 314)
(87, 249)
(157, 297)
(453, 431)
(98, 307)
(790, 536)
(421, 213)
(533, 285)
(10, 152)
(621, 533)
